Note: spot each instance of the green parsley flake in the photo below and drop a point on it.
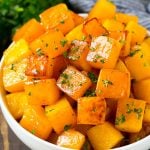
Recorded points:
(120, 120)
(39, 52)
(62, 21)
(93, 77)
(67, 127)
(132, 53)
(12, 67)
(90, 93)
(33, 131)
(65, 54)
(63, 42)
(138, 111)
(106, 83)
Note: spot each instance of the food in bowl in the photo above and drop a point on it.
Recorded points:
(80, 83)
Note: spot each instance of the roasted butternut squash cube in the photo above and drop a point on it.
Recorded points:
(99, 10)
(141, 90)
(76, 34)
(42, 92)
(138, 32)
(51, 43)
(113, 84)
(91, 110)
(129, 115)
(147, 40)
(94, 28)
(77, 55)
(121, 66)
(40, 66)
(57, 17)
(125, 18)
(113, 25)
(73, 82)
(76, 18)
(16, 52)
(17, 102)
(104, 52)
(138, 61)
(146, 117)
(35, 121)
(104, 136)
(61, 115)
(71, 139)
(14, 76)
(60, 63)
(29, 31)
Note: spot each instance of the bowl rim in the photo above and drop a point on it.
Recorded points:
(9, 118)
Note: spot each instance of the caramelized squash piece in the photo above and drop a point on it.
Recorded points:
(73, 82)
(57, 17)
(91, 110)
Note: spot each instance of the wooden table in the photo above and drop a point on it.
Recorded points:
(8, 141)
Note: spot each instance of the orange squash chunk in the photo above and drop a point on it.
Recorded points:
(129, 115)
(76, 18)
(39, 66)
(57, 17)
(61, 115)
(73, 82)
(14, 76)
(29, 31)
(125, 18)
(113, 84)
(71, 139)
(94, 28)
(35, 121)
(52, 43)
(42, 92)
(138, 32)
(60, 63)
(99, 10)
(91, 110)
(104, 52)
(78, 53)
(17, 102)
(76, 34)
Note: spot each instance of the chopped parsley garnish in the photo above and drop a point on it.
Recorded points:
(93, 77)
(64, 75)
(92, 48)
(67, 127)
(96, 57)
(120, 120)
(63, 42)
(49, 110)
(90, 93)
(46, 45)
(83, 38)
(106, 83)
(33, 131)
(86, 145)
(132, 53)
(62, 21)
(29, 93)
(65, 54)
(39, 52)
(102, 61)
(138, 111)
(130, 109)
(12, 67)
(75, 48)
